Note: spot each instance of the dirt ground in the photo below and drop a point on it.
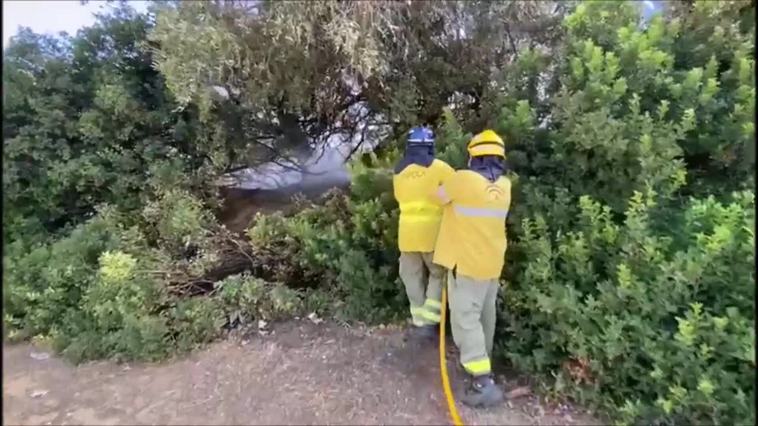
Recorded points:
(299, 373)
(241, 205)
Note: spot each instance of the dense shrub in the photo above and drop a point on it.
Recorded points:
(42, 284)
(652, 315)
(347, 246)
(633, 295)
(107, 289)
(245, 298)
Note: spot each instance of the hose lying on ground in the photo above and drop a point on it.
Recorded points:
(443, 364)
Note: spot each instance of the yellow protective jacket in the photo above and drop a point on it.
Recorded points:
(472, 235)
(420, 214)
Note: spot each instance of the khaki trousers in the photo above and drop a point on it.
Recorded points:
(423, 285)
(472, 320)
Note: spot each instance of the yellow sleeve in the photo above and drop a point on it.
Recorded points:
(508, 195)
(448, 189)
(445, 171)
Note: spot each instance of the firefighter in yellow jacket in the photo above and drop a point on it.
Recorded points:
(471, 244)
(417, 175)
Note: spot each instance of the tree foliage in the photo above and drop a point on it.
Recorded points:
(402, 61)
(89, 121)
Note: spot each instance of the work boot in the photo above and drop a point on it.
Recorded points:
(483, 393)
(422, 333)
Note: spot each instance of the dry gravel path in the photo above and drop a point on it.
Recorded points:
(301, 373)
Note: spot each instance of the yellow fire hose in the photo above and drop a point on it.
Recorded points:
(443, 364)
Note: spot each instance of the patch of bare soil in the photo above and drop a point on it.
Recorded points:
(300, 373)
(241, 205)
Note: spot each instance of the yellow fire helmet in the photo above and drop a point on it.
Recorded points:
(486, 143)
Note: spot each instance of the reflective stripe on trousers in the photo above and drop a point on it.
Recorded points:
(417, 316)
(472, 320)
(428, 314)
(479, 367)
(424, 289)
(432, 311)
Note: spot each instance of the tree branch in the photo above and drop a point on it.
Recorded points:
(537, 26)
(510, 39)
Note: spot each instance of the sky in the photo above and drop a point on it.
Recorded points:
(650, 7)
(66, 15)
(51, 17)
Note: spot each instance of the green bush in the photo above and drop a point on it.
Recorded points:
(346, 247)
(693, 69)
(107, 290)
(634, 296)
(245, 298)
(656, 311)
(45, 282)
(195, 321)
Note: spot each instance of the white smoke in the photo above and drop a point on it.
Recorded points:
(325, 168)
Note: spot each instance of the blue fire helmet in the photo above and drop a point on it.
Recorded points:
(420, 136)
